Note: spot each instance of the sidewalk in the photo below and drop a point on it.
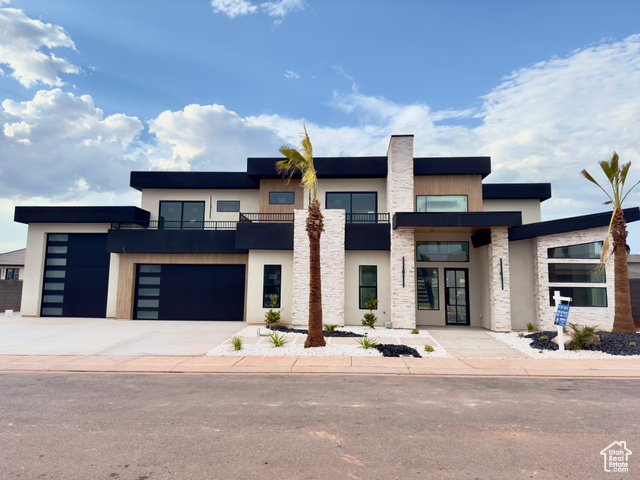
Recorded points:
(488, 367)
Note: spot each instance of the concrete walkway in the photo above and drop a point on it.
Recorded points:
(100, 345)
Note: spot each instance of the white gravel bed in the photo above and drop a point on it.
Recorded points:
(512, 339)
(295, 347)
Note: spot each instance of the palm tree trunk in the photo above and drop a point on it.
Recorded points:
(623, 318)
(315, 226)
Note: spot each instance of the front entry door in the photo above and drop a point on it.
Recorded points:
(457, 295)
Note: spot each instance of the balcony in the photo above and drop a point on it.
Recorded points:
(367, 231)
(265, 231)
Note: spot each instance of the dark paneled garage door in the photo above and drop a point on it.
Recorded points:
(76, 275)
(190, 292)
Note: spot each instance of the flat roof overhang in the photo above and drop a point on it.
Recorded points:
(326, 167)
(80, 215)
(456, 222)
(509, 191)
(570, 224)
(191, 180)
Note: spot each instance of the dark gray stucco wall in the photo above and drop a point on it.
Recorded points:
(10, 295)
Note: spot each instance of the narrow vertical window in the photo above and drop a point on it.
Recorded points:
(368, 283)
(271, 285)
(427, 288)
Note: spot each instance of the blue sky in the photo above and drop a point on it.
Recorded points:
(91, 90)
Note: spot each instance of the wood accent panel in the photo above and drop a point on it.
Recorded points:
(470, 185)
(127, 273)
(280, 185)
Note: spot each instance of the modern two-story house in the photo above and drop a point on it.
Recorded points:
(425, 236)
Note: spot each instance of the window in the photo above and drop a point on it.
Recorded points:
(181, 215)
(576, 273)
(442, 251)
(368, 284)
(582, 296)
(441, 203)
(271, 285)
(360, 207)
(583, 250)
(427, 287)
(281, 198)
(12, 273)
(228, 205)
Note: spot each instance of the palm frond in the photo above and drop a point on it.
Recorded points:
(302, 161)
(586, 175)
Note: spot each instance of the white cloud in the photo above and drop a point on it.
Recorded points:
(56, 139)
(21, 42)
(279, 9)
(233, 8)
(291, 74)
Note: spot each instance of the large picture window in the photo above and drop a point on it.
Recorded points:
(360, 207)
(271, 285)
(442, 251)
(576, 273)
(441, 203)
(181, 215)
(368, 284)
(581, 251)
(428, 288)
(581, 296)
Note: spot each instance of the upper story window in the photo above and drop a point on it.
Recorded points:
(282, 198)
(442, 251)
(181, 215)
(12, 273)
(442, 203)
(228, 206)
(582, 251)
(360, 207)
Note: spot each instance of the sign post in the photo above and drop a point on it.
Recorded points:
(562, 315)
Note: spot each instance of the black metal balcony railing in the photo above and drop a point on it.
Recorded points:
(367, 218)
(266, 217)
(243, 218)
(175, 225)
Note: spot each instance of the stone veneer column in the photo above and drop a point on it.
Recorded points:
(499, 285)
(400, 198)
(332, 261)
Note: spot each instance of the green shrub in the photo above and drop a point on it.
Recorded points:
(277, 340)
(543, 337)
(521, 334)
(237, 343)
(369, 319)
(330, 328)
(583, 335)
(272, 316)
(415, 331)
(428, 348)
(530, 327)
(632, 344)
(366, 342)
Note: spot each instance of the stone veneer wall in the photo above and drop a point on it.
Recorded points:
(499, 285)
(600, 316)
(332, 260)
(400, 198)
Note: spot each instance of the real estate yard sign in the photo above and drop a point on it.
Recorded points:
(562, 315)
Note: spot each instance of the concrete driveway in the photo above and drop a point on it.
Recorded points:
(99, 336)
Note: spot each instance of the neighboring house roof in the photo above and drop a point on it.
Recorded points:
(15, 258)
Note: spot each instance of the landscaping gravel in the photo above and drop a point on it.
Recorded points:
(255, 343)
(388, 350)
(613, 345)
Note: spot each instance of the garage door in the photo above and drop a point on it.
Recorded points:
(76, 275)
(190, 292)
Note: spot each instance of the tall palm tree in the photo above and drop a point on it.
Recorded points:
(616, 176)
(302, 161)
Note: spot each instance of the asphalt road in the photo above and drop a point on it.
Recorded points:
(145, 426)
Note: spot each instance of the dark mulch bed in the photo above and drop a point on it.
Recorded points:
(326, 334)
(397, 350)
(610, 342)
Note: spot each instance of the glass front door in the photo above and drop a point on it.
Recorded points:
(457, 295)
